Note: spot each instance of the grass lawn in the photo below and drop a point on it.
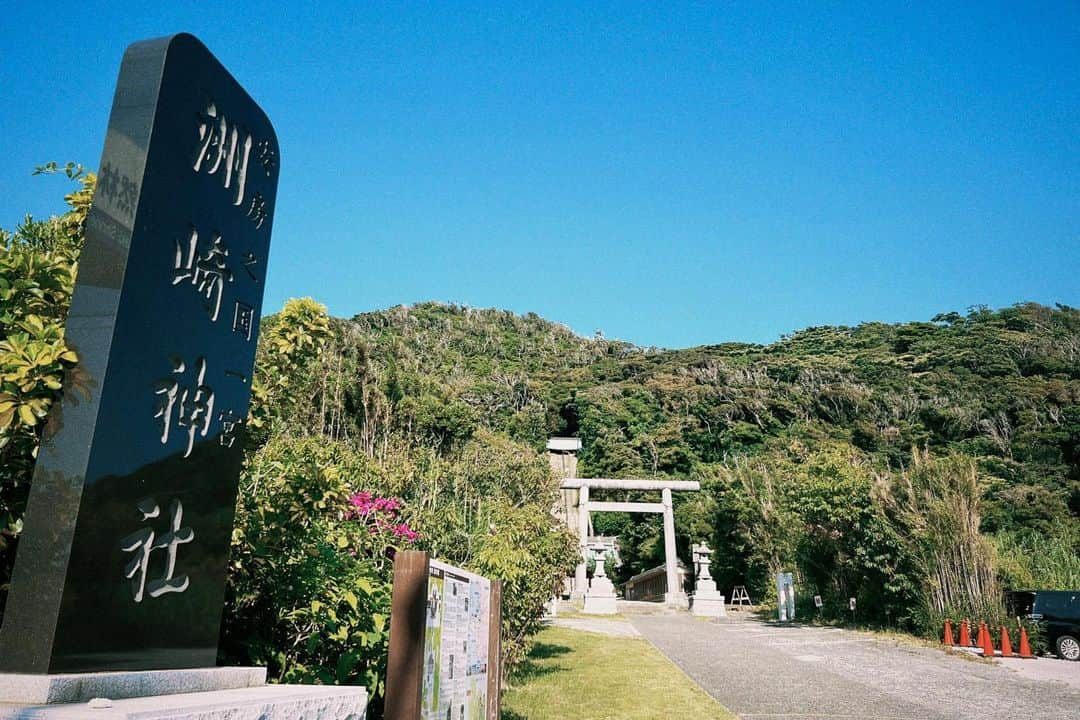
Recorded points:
(586, 676)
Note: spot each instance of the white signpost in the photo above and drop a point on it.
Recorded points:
(785, 593)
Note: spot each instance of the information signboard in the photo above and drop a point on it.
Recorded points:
(455, 644)
(444, 642)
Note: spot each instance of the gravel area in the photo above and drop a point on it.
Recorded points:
(760, 670)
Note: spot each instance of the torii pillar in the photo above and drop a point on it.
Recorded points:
(674, 594)
(581, 577)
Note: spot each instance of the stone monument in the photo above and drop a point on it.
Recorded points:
(600, 598)
(119, 579)
(706, 601)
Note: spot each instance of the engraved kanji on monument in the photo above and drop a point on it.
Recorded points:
(122, 562)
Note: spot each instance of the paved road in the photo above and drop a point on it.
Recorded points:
(761, 671)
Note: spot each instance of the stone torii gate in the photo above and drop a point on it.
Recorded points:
(576, 506)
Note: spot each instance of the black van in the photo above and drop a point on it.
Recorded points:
(1058, 612)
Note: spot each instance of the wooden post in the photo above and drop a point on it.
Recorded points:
(494, 678)
(405, 664)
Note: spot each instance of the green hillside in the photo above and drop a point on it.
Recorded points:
(996, 390)
(1000, 386)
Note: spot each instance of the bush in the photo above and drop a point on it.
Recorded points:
(37, 276)
(936, 505)
(309, 582)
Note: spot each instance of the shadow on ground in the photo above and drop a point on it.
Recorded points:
(529, 669)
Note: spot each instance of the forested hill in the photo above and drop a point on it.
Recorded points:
(1000, 386)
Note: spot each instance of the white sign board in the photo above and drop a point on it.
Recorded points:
(455, 645)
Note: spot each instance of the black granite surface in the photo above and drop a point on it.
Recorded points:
(122, 561)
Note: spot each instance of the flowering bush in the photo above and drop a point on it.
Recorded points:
(381, 516)
(310, 581)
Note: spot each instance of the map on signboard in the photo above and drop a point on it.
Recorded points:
(455, 645)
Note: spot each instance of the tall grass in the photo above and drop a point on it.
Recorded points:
(1040, 561)
(937, 503)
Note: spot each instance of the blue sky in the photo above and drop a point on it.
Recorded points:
(670, 176)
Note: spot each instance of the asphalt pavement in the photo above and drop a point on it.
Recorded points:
(762, 670)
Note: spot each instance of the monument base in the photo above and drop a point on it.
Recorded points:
(600, 599)
(599, 604)
(79, 687)
(708, 605)
(676, 600)
(268, 702)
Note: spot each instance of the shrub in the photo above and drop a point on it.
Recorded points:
(37, 276)
(309, 582)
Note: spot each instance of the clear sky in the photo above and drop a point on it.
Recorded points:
(671, 176)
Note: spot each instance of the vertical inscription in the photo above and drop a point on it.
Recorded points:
(143, 543)
(223, 147)
(201, 262)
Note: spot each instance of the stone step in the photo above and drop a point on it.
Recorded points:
(641, 607)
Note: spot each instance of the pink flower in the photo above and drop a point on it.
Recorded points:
(360, 498)
(404, 531)
(389, 505)
(362, 504)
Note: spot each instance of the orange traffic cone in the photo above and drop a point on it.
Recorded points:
(980, 640)
(1025, 647)
(1006, 646)
(965, 633)
(988, 642)
(948, 639)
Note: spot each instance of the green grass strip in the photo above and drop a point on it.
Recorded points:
(587, 676)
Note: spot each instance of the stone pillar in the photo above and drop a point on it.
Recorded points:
(674, 595)
(600, 600)
(562, 457)
(706, 601)
(581, 581)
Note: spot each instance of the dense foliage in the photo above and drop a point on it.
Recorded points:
(855, 456)
(38, 262)
(309, 589)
